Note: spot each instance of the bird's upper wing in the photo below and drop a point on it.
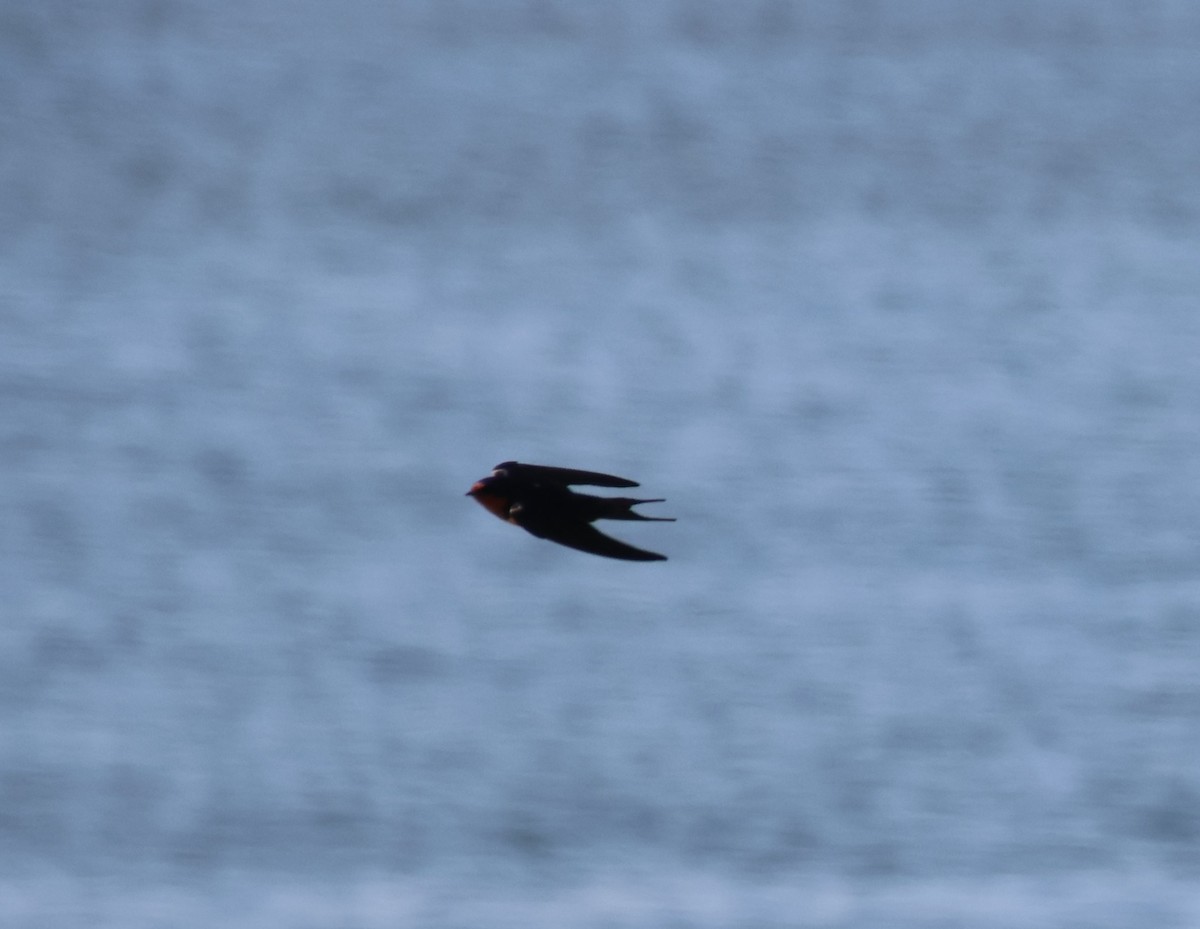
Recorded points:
(562, 476)
(577, 534)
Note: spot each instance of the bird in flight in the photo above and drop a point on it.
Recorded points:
(538, 498)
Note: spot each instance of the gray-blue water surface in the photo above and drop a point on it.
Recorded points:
(895, 303)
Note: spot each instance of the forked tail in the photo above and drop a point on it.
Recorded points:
(622, 508)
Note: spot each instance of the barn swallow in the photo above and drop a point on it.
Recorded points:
(538, 499)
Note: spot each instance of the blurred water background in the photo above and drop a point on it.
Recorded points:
(896, 303)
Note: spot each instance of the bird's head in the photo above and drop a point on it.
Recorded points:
(489, 493)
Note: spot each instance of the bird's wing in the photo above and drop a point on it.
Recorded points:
(577, 534)
(562, 476)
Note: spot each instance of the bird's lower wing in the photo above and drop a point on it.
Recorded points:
(581, 536)
(588, 538)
